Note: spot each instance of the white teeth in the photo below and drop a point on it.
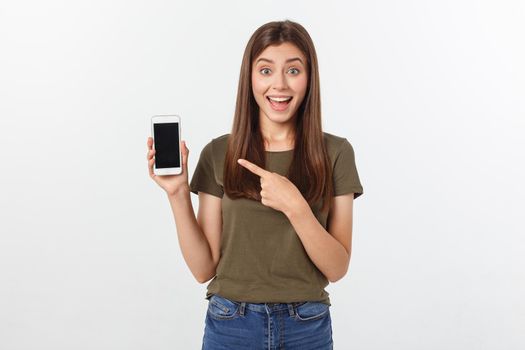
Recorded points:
(280, 99)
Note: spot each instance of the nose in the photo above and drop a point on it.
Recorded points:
(280, 81)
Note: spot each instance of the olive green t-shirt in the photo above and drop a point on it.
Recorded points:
(262, 258)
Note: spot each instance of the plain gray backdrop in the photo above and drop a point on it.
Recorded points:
(429, 93)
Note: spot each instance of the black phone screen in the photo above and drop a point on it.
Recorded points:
(166, 137)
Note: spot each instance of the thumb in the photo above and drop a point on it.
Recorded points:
(185, 153)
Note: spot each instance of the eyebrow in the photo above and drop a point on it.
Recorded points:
(288, 60)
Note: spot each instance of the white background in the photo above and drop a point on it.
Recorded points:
(429, 93)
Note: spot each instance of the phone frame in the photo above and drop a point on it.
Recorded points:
(162, 119)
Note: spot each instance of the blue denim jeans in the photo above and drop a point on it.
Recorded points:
(232, 325)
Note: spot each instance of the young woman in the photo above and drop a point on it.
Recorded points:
(276, 194)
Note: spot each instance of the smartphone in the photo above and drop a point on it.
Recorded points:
(165, 130)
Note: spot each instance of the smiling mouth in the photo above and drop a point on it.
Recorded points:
(279, 103)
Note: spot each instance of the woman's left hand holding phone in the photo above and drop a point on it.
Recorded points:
(169, 183)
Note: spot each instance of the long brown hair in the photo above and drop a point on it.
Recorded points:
(310, 169)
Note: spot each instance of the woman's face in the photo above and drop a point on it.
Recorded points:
(279, 81)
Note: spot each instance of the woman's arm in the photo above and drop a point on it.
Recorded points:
(329, 250)
(195, 237)
(192, 240)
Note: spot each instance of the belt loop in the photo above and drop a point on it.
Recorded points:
(291, 309)
(243, 305)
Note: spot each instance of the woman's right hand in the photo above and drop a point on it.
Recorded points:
(170, 183)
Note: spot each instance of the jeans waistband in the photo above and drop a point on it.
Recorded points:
(266, 307)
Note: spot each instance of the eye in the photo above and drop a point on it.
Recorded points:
(295, 69)
(264, 69)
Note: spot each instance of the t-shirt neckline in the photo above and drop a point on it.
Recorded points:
(285, 151)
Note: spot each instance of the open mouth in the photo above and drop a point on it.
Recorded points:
(279, 103)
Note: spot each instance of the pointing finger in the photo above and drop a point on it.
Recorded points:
(252, 167)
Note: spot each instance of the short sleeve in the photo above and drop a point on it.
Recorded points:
(203, 179)
(345, 176)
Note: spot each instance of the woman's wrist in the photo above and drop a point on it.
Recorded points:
(297, 209)
(181, 191)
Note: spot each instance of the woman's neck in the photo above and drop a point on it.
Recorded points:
(278, 137)
(279, 142)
